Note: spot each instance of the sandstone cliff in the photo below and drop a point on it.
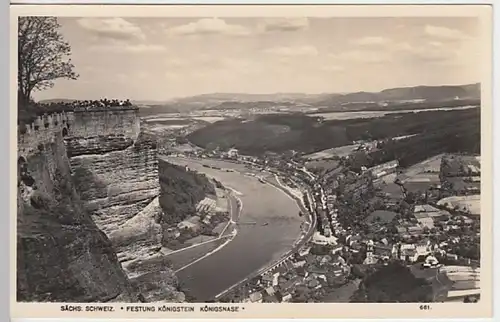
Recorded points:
(61, 254)
(88, 213)
(117, 179)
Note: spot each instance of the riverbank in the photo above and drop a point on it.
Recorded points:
(304, 237)
(265, 224)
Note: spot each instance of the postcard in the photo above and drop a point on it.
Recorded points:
(251, 161)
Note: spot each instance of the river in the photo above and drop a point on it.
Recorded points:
(255, 245)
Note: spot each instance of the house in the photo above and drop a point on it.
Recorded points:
(325, 259)
(275, 279)
(232, 153)
(313, 283)
(336, 249)
(415, 230)
(281, 269)
(320, 277)
(370, 259)
(425, 208)
(192, 223)
(301, 271)
(384, 168)
(319, 239)
(426, 222)
(256, 297)
(382, 251)
(338, 260)
(270, 290)
(409, 255)
(401, 230)
(288, 285)
(299, 264)
(286, 297)
(317, 270)
(267, 279)
(356, 246)
(338, 271)
(310, 259)
(173, 233)
(303, 251)
(431, 261)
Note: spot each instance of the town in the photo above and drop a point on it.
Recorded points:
(424, 220)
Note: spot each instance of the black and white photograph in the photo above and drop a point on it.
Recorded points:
(242, 160)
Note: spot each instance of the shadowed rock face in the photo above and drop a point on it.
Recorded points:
(118, 184)
(88, 216)
(97, 144)
(61, 254)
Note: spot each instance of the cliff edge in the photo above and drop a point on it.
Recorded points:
(88, 211)
(61, 254)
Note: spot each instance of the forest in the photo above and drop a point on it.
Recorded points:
(393, 283)
(434, 132)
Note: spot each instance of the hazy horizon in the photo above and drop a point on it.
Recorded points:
(160, 59)
(256, 94)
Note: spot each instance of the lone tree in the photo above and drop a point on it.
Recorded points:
(42, 56)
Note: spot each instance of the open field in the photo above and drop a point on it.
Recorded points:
(341, 151)
(372, 114)
(323, 165)
(181, 119)
(431, 165)
(470, 203)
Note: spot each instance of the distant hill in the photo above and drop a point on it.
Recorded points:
(56, 100)
(427, 93)
(340, 101)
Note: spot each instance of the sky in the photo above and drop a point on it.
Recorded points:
(165, 58)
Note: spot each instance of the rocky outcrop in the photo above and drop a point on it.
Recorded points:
(118, 184)
(61, 254)
(115, 186)
(97, 144)
(88, 212)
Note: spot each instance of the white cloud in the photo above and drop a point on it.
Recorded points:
(141, 48)
(332, 68)
(175, 62)
(129, 48)
(285, 24)
(242, 66)
(436, 44)
(362, 56)
(114, 28)
(122, 77)
(427, 52)
(444, 33)
(371, 41)
(292, 51)
(171, 75)
(208, 26)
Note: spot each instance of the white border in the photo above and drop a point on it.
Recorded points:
(4, 71)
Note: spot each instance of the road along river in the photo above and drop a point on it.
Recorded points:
(268, 226)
